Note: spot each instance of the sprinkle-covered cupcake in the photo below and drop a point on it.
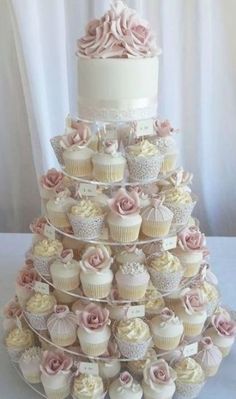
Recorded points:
(125, 387)
(29, 364)
(132, 281)
(144, 161)
(190, 378)
(209, 357)
(86, 219)
(17, 341)
(88, 386)
(38, 309)
(222, 332)
(156, 219)
(62, 326)
(166, 145)
(78, 160)
(133, 337)
(96, 276)
(165, 270)
(25, 281)
(158, 380)
(65, 271)
(124, 220)
(181, 203)
(167, 330)
(58, 207)
(44, 253)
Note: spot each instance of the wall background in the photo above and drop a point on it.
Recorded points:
(197, 93)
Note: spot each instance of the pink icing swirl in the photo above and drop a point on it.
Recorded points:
(96, 259)
(55, 362)
(120, 33)
(52, 179)
(26, 278)
(93, 318)
(224, 325)
(38, 225)
(193, 301)
(124, 204)
(191, 239)
(163, 128)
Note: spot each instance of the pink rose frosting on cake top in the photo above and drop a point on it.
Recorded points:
(193, 301)
(96, 259)
(124, 203)
(158, 372)
(224, 325)
(52, 179)
(27, 277)
(163, 128)
(55, 362)
(93, 317)
(191, 239)
(120, 33)
(38, 225)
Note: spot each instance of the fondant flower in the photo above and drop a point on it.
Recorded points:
(79, 137)
(66, 255)
(193, 301)
(93, 317)
(167, 314)
(96, 259)
(206, 343)
(52, 179)
(55, 362)
(27, 277)
(12, 310)
(163, 129)
(38, 225)
(29, 264)
(126, 379)
(191, 239)
(158, 372)
(224, 325)
(124, 204)
(110, 146)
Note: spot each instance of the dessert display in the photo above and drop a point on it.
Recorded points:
(116, 297)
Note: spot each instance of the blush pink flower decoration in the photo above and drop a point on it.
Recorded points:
(193, 301)
(191, 239)
(96, 259)
(158, 372)
(26, 278)
(55, 362)
(12, 310)
(93, 318)
(80, 137)
(167, 314)
(110, 146)
(66, 256)
(38, 225)
(224, 325)
(124, 203)
(126, 379)
(52, 179)
(163, 128)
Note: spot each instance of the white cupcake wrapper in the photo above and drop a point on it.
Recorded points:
(165, 282)
(187, 391)
(133, 350)
(42, 264)
(38, 322)
(57, 148)
(87, 229)
(144, 168)
(182, 212)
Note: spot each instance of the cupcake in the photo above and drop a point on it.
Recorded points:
(25, 281)
(167, 330)
(78, 160)
(144, 161)
(29, 364)
(87, 386)
(190, 378)
(125, 387)
(165, 270)
(65, 271)
(132, 281)
(37, 227)
(158, 380)
(12, 311)
(166, 145)
(110, 366)
(154, 302)
(133, 337)
(181, 203)
(109, 165)
(129, 254)
(38, 309)
(86, 219)
(124, 220)
(192, 312)
(56, 374)
(222, 332)
(117, 307)
(44, 253)
(209, 357)
(96, 276)
(136, 367)
(93, 332)
(58, 207)
(189, 250)
(62, 326)
(49, 183)
(156, 219)
(17, 341)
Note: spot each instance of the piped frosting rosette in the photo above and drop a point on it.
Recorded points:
(38, 309)
(181, 203)
(190, 379)
(44, 253)
(223, 331)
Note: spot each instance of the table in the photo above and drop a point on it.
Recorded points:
(223, 260)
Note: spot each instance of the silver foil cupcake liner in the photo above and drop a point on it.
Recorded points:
(87, 229)
(187, 391)
(144, 169)
(38, 322)
(132, 350)
(165, 282)
(182, 212)
(42, 264)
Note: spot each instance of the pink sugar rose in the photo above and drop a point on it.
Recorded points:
(80, 137)
(12, 310)
(163, 129)
(52, 179)
(110, 146)
(124, 204)
(93, 318)
(126, 379)
(193, 301)
(224, 325)
(206, 343)
(38, 225)
(191, 239)
(55, 362)
(167, 314)
(96, 259)
(66, 255)
(27, 277)
(158, 372)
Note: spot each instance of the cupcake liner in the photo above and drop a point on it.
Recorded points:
(187, 391)
(61, 393)
(57, 148)
(164, 281)
(132, 350)
(94, 349)
(38, 322)
(193, 330)
(42, 264)
(109, 173)
(132, 293)
(58, 219)
(182, 212)
(96, 291)
(87, 228)
(124, 234)
(156, 229)
(166, 343)
(169, 163)
(66, 283)
(191, 269)
(64, 341)
(81, 396)
(79, 168)
(32, 378)
(144, 168)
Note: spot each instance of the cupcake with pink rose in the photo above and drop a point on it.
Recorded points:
(156, 219)
(192, 311)
(124, 220)
(132, 281)
(158, 380)
(166, 144)
(62, 326)
(65, 271)
(49, 182)
(44, 253)
(37, 227)
(167, 330)
(222, 332)
(125, 387)
(29, 364)
(96, 275)
(56, 369)
(209, 356)
(189, 250)
(57, 209)
(94, 331)
(11, 312)
(25, 281)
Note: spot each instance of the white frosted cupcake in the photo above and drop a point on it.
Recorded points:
(125, 387)
(156, 219)
(133, 337)
(29, 364)
(17, 341)
(158, 380)
(62, 326)
(109, 165)
(65, 271)
(96, 276)
(165, 270)
(209, 357)
(132, 281)
(86, 219)
(144, 161)
(44, 252)
(154, 302)
(93, 332)
(78, 161)
(166, 145)
(129, 254)
(87, 386)
(181, 203)
(38, 309)
(190, 378)
(124, 220)
(167, 330)
(110, 366)
(222, 332)
(57, 209)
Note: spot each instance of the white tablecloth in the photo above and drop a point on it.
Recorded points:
(223, 260)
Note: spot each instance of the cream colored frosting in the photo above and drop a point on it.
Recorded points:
(40, 303)
(154, 299)
(88, 386)
(86, 209)
(179, 196)
(210, 291)
(48, 248)
(31, 353)
(143, 149)
(133, 330)
(20, 338)
(166, 263)
(189, 371)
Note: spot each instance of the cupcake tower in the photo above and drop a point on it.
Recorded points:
(116, 296)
